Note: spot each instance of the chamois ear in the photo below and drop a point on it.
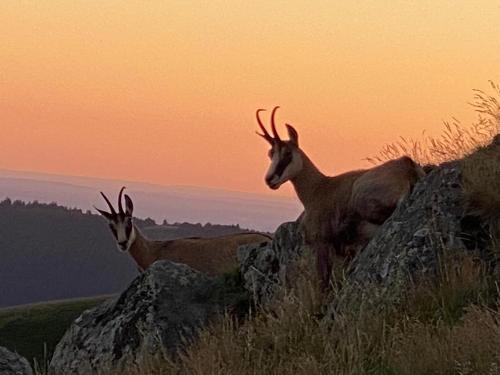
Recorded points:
(129, 206)
(107, 215)
(292, 134)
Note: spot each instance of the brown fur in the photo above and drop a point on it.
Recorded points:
(212, 256)
(342, 213)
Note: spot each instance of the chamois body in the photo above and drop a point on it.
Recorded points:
(341, 213)
(212, 256)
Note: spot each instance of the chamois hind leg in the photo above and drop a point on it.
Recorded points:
(324, 263)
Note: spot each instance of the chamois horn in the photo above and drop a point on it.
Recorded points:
(111, 208)
(273, 125)
(120, 207)
(265, 133)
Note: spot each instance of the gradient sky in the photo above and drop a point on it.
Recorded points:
(165, 92)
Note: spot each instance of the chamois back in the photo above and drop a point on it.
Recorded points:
(349, 207)
(213, 256)
(209, 255)
(377, 192)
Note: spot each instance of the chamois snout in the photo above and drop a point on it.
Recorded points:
(123, 245)
(272, 182)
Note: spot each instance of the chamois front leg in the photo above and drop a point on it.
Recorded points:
(324, 263)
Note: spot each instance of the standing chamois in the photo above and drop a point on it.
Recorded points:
(212, 256)
(341, 213)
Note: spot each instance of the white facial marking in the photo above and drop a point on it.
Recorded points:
(131, 239)
(121, 235)
(291, 170)
(270, 177)
(122, 241)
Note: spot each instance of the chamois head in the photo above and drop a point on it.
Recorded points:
(120, 222)
(286, 158)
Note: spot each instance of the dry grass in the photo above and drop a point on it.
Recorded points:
(456, 140)
(481, 178)
(481, 169)
(469, 347)
(449, 326)
(463, 281)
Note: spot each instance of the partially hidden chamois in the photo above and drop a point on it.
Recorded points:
(341, 213)
(212, 256)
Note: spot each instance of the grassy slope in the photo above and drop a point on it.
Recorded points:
(447, 325)
(28, 329)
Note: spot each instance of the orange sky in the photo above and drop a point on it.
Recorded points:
(165, 92)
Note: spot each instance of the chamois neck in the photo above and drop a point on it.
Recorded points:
(139, 249)
(307, 181)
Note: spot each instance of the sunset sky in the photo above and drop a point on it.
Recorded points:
(166, 91)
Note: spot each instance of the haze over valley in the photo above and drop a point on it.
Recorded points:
(172, 203)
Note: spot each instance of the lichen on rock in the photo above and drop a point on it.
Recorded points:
(160, 311)
(13, 364)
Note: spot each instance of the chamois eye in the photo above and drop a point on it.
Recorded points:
(270, 153)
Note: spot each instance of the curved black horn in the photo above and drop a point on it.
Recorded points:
(264, 134)
(273, 124)
(120, 207)
(107, 215)
(111, 208)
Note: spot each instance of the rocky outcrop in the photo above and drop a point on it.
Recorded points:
(431, 222)
(433, 219)
(13, 364)
(160, 311)
(166, 305)
(264, 266)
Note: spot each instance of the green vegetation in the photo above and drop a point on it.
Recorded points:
(34, 330)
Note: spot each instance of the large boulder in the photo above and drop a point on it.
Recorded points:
(264, 266)
(13, 364)
(159, 312)
(432, 220)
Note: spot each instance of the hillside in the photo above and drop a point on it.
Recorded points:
(50, 252)
(34, 330)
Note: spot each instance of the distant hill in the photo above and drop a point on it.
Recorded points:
(51, 252)
(174, 203)
(34, 330)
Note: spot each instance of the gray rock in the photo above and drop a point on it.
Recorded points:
(161, 310)
(432, 219)
(429, 221)
(13, 364)
(263, 266)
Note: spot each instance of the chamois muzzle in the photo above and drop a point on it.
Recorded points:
(123, 245)
(272, 183)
